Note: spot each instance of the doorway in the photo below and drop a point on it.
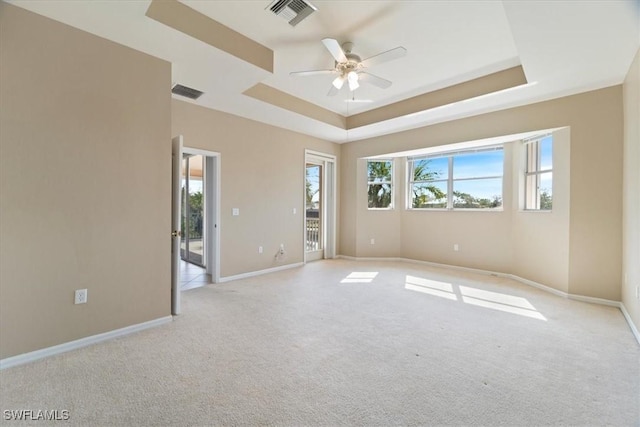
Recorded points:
(320, 206)
(195, 249)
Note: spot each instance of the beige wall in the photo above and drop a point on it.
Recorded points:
(631, 195)
(541, 239)
(84, 183)
(384, 225)
(483, 238)
(591, 245)
(262, 174)
(595, 242)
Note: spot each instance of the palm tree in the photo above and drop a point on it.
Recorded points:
(309, 190)
(424, 192)
(379, 192)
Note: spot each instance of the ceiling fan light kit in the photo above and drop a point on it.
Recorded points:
(350, 67)
(352, 77)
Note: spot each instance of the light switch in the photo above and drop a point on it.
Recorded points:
(236, 211)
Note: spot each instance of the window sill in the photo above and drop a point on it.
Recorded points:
(452, 210)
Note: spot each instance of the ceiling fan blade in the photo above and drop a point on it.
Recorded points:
(333, 91)
(334, 49)
(389, 55)
(374, 80)
(311, 73)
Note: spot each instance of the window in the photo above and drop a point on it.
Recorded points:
(463, 180)
(538, 188)
(380, 184)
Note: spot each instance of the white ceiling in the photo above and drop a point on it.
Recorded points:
(565, 47)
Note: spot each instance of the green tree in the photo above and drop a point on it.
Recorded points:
(466, 200)
(546, 199)
(196, 210)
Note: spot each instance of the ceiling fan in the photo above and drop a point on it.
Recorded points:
(350, 68)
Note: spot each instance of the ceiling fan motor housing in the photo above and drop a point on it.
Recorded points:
(353, 60)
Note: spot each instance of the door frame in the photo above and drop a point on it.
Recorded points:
(212, 187)
(212, 209)
(328, 203)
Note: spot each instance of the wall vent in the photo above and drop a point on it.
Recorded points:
(186, 92)
(294, 11)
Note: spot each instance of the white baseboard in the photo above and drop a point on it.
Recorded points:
(430, 264)
(353, 258)
(82, 342)
(582, 298)
(259, 272)
(627, 316)
(594, 300)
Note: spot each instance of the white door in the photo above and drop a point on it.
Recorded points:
(175, 223)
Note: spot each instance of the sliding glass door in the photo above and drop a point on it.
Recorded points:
(192, 215)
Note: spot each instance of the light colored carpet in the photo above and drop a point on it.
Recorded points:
(410, 345)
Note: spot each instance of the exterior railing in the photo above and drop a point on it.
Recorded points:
(313, 234)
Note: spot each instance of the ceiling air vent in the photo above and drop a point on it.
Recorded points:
(186, 92)
(293, 11)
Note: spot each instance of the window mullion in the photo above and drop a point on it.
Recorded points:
(478, 178)
(450, 184)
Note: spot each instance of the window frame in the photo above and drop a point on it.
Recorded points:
(450, 180)
(411, 182)
(390, 183)
(534, 145)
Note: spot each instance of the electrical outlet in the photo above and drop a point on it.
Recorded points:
(373, 241)
(235, 211)
(259, 249)
(456, 247)
(81, 296)
(295, 211)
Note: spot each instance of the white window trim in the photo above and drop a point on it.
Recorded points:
(537, 172)
(390, 183)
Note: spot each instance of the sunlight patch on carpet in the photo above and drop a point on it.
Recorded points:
(360, 277)
(474, 296)
(501, 302)
(431, 287)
